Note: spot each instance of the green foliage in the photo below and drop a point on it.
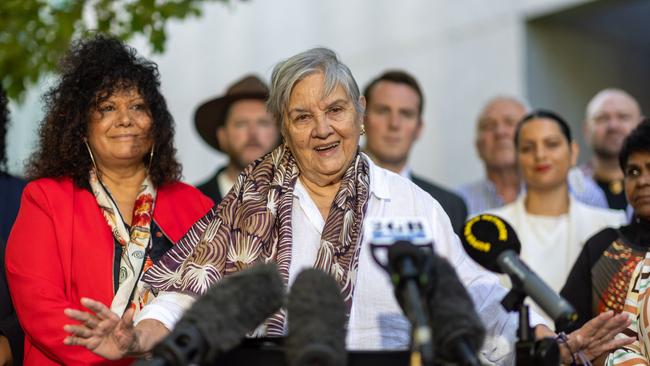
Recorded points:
(34, 34)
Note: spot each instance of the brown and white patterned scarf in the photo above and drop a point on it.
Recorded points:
(253, 224)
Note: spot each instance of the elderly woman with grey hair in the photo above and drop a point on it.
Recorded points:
(305, 205)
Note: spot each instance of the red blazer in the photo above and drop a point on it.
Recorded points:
(61, 249)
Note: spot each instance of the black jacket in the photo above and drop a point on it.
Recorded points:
(9, 326)
(452, 203)
(600, 276)
(210, 187)
(11, 189)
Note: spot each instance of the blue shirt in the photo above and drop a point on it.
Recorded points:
(482, 195)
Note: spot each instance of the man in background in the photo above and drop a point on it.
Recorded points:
(238, 125)
(495, 131)
(610, 116)
(11, 188)
(393, 122)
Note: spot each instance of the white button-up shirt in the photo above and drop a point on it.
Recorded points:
(376, 320)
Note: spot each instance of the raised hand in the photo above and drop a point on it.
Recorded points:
(596, 337)
(102, 331)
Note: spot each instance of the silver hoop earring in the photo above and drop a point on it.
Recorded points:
(151, 156)
(92, 158)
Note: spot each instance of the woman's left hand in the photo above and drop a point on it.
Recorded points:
(597, 336)
(594, 338)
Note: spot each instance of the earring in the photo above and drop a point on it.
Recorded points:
(90, 152)
(363, 129)
(151, 156)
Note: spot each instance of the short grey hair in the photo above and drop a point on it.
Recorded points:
(505, 98)
(600, 97)
(287, 73)
(498, 99)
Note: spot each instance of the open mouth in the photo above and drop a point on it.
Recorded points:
(328, 147)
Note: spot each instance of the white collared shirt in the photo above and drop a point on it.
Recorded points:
(376, 320)
(224, 182)
(406, 172)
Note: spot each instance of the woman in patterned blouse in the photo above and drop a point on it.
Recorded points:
(635, 162)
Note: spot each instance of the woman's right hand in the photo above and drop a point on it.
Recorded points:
(102, 331)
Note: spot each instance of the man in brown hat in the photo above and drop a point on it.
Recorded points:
(238, 125)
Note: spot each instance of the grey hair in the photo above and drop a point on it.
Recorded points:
(505, 98)
(600, 97)
(501, 98)
(287, 73)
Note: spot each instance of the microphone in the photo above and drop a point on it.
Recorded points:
(403, 247)
(406, 264)
(492, 242)
(458, 330)
(316, 321)
(219, 320)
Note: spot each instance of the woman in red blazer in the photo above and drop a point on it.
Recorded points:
(104, 203)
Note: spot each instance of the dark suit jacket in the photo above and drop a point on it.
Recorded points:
(210, 187)
(11, 189)
(9, 326)
(453, 205)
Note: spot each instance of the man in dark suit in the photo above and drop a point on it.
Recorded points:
(393, 122)
(11, 335)
(238, 125)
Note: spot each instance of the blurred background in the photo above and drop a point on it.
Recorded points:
(555, 54)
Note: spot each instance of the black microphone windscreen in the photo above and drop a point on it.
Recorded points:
(485, 237)
(402, 249)
(235, 306)
(455, 324)
(316, 321)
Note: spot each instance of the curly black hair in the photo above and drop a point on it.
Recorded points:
(4, 121)
(637, 141)
(91, 71)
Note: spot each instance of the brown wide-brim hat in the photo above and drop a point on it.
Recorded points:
(212, 113)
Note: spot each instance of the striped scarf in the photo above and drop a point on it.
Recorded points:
(253, 224)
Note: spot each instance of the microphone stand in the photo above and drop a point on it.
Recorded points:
(406, 264)
(543, 352)
(422, 336)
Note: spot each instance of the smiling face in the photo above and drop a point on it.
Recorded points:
(544, 155)
(119, 130)
(321, 130)
(637, 183)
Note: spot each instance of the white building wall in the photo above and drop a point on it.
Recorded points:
(463, 52)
